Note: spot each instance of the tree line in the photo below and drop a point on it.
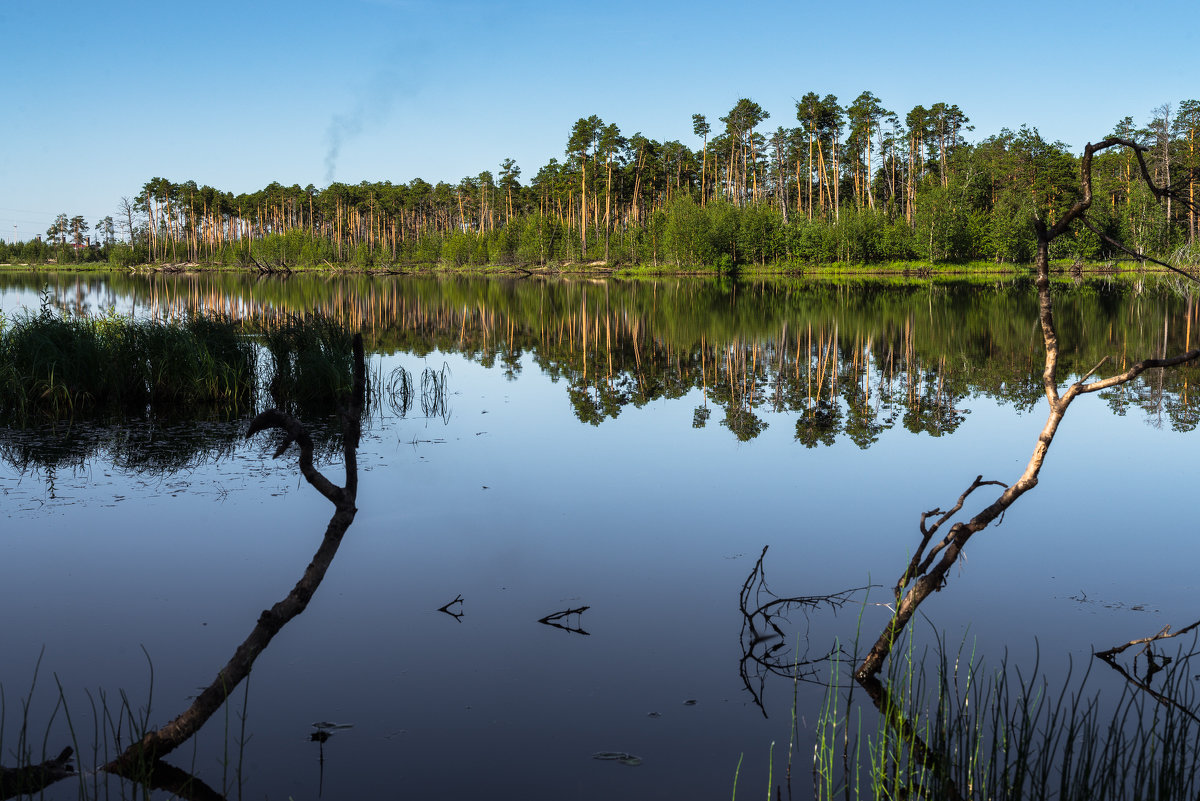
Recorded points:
(855, 183)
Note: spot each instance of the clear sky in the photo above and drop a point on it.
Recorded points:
(99, 98)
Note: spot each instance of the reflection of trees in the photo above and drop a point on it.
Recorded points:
(146, 446)
(141, 762)
(849, 360)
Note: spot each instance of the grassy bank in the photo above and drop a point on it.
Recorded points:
(904, 269)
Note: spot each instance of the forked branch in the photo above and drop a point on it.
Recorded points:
(133, 762)
(926, 573)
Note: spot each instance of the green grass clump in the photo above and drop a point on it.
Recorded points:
(54, 365)
(311, 364)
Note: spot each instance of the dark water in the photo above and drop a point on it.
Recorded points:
(628, 447)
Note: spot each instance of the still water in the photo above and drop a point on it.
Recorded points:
(626, 447)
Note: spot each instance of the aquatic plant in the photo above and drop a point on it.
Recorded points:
(55, 365)
(142, 748)
(962, 730)
(310, 363)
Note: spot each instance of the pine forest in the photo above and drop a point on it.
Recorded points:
(849, 184)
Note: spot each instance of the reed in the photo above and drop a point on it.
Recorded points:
(1006, 735)
(310, 364)
(56, 366)
(116, 723)
(434, 392)
(398, 390)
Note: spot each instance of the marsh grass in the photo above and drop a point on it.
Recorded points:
(434, 392)
(398, 389)
(59, 366)
(310, 364)
(1004, 734)
(54, 365)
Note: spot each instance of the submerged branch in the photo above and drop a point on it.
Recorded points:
(133, 762)
(32, 779)
(929, 759)
(1110, 658)
(762, 639)
(1165, 634)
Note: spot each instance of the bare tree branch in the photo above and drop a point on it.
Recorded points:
(913, 568)
(1130, 251)
(1137, 369)
(926, 574)
(1165, 634)
(32, 779)
(1110, 657)
(133, 762)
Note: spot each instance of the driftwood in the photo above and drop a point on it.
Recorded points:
(31, 779)
(1153, 665)
(457, 614)
(160, 742)
(762, 641)
(561, 620)
(926, 573)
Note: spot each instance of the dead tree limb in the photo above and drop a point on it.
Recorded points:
(762, 639)
(1110, 658)
(1165, 634)
(32, 779)
(457, 615)
(926, 574)
(560, 620)
(932, 761)
(137, 759)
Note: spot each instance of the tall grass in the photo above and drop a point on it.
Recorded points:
(1006, 735)
(116, 724)
(55, 365)
(310, 363)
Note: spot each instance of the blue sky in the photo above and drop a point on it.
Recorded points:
(98, 99)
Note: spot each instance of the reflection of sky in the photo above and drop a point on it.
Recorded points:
(524, 511)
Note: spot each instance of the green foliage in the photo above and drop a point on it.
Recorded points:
(122, 256)
(458, 248)
(686, 233)
(428, 249)
(724, 221)
(758, 237)
(856, 184)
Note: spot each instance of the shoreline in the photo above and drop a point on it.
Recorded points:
(598, 269)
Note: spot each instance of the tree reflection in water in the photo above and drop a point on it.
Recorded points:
(853, 360)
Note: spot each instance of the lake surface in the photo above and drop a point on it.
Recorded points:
(629, 447)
